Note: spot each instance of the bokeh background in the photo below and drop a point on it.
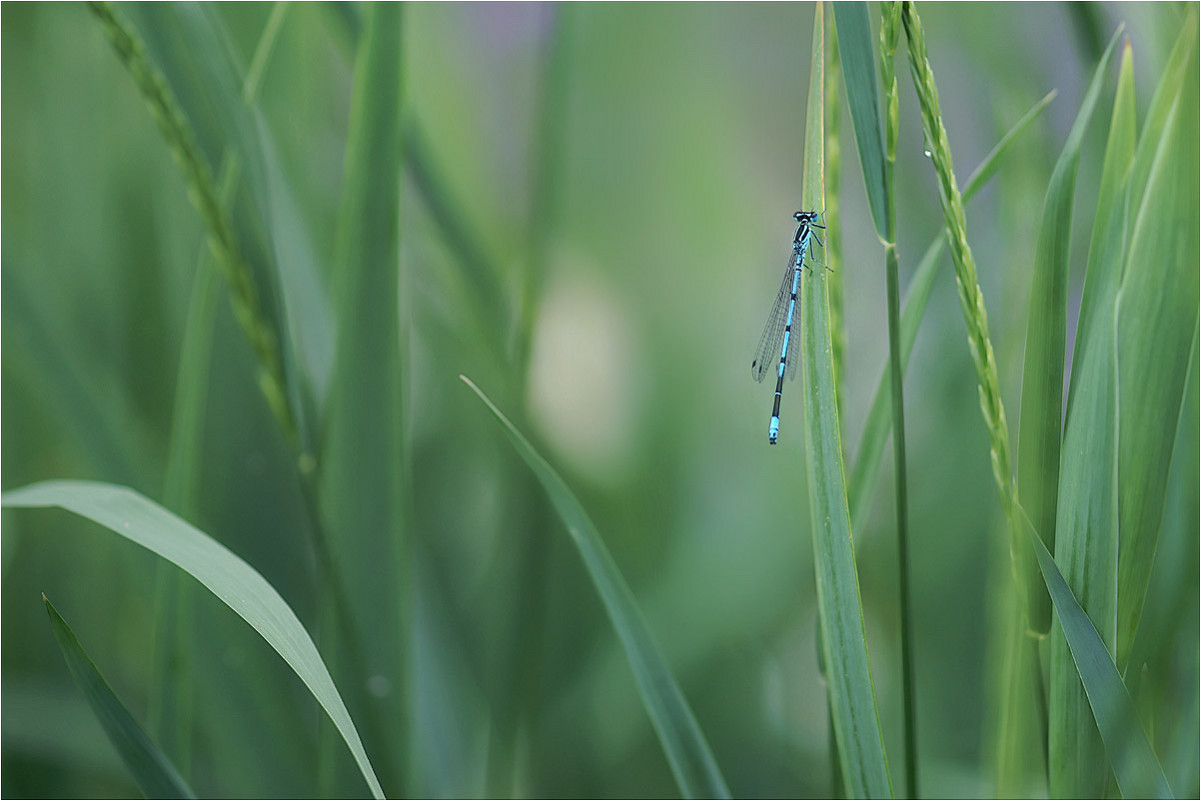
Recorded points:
(676, 174)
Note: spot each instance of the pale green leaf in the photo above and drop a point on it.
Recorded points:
(239, 585)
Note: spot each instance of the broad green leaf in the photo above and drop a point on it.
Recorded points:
(1134, 763)
(239, 585)
(150, 767)
(1046, 336)
(1087, 513)
(879, 420)
(863, 99)
(851, 692)
(363, 497)
(1157, 314)
(692, 763)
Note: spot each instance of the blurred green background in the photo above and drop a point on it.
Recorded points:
(673, 183)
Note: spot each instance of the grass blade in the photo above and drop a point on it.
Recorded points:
(1087, 492)
(361, 466)
(239, 585)
(1130, 754)
(859, 69)
(852, 694)
(692, 763)
(879, 420)
(1157, 303)
(1046, 336)
(149, 766)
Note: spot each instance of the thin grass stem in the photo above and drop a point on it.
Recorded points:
(890, 34)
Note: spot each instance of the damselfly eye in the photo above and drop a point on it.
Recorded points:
(798, 216)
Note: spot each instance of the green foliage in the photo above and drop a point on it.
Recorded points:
(1046, 332)
(239, 585)
(1138, 772)
(246, 259)
(150, 768)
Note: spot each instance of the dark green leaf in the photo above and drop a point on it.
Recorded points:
(151, 769)
(1130, 754)
(863, 99)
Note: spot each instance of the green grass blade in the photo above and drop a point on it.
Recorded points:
(852, 694)
(1158, 311)
(879, 420)
(1175, 72)
(1046, 337)
(239, 585)
(1134, 763)
(1087, 494)
(150, 767)
(361, 465)
(691, 760)
(863, 100)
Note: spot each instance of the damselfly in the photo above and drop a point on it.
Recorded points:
(777, 334)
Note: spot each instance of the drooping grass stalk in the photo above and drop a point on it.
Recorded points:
(890, 34)
(177, 132)
(879, 423)
(971, 299)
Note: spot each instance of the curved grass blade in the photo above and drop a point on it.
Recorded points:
(879, 420)
(852, 694)
(1046, 336)
(1130, 754)
(691, 760)
(150, 767)
(1087, 505)
(239, 585)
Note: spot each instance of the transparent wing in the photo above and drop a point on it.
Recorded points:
(767, 354)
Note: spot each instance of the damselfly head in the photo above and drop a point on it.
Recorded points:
(805, 216)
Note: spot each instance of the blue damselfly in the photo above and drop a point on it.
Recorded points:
(777, 334)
